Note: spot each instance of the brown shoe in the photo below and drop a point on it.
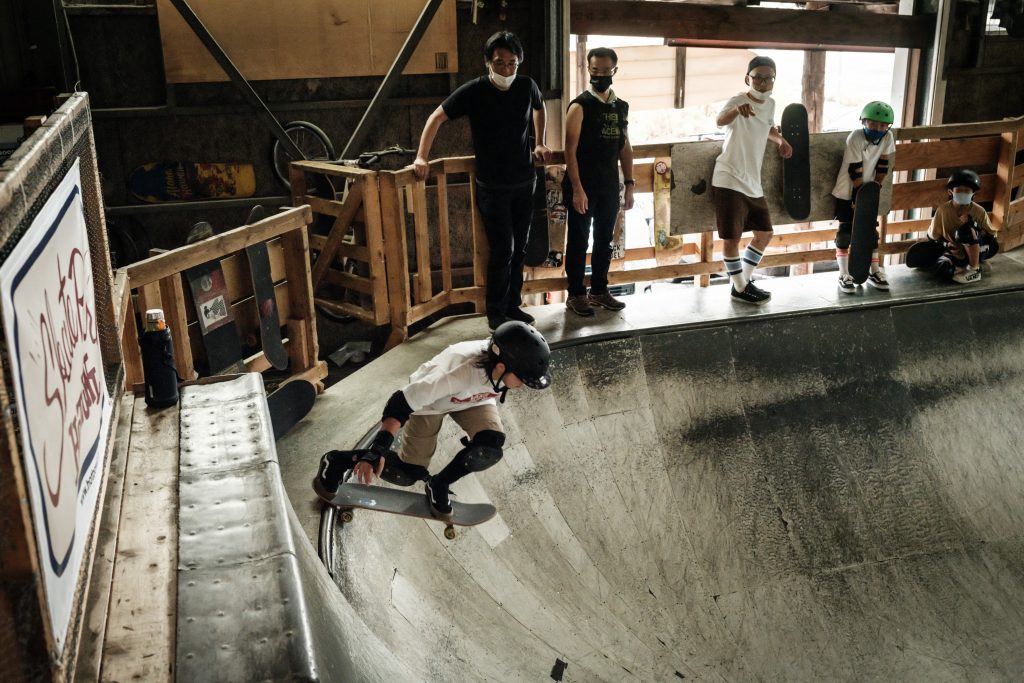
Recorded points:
(606, 300)
(580, 305)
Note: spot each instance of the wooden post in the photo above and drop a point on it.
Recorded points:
(707, 254)
(339, 229)
(1005, 179)
(397, 258)
(582, 72)
(813, 98)
(442, 232)
(172, 294)
(304, 351)
(680, 85)
(421, 233)
(375, 246)
(481, 250)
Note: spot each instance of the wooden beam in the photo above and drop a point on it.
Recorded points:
(727, 26)
(140, 638)
(947, 153)
(813, 87)
(159, 267)
(680, 85)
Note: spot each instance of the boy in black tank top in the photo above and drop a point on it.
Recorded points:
(596, 142)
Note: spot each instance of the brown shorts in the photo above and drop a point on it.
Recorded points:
(419, 436)
(736, 213)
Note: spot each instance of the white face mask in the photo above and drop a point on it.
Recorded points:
(758, 94)
(962, 198)
(503, 82)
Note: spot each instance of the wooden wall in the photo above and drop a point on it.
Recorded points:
(267, 39)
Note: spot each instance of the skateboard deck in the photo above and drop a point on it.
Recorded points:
(289, 404)
(213, 310)
(186, 180)
(557, 215)
(619, 232)
(865, 237)
(263, 293)
(537, 242)
(796, 170)
(924, 254)
(403, 502)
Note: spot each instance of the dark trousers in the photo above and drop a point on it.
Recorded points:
(602, 211)
(506, 214)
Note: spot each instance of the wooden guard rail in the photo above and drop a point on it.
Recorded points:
(159, 283)
(400, 285)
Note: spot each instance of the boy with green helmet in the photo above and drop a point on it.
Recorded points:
(866, 158)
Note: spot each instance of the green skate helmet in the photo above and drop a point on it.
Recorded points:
(878, 111)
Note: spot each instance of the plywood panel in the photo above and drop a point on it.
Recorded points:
(693, 165)
(268, 39)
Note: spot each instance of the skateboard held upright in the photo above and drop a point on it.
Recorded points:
(796, 170)
(865, 236)
(213, 310)
(266, 300)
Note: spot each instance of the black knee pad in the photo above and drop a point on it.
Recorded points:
(989, 246)
(966, 234)
(843, 236)
(400, 473)
(482, 451)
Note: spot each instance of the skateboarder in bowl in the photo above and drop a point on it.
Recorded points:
(749, 122)
(465, 381)
(865, 158)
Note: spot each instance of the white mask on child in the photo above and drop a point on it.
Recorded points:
(758, 94)
(503, 82)
(962, 198)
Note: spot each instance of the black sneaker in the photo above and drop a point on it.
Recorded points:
(437, 498)
(331, 473)
(495, 321)
(751, 295)
(520, 315)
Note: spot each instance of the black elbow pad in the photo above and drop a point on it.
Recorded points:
(856, 170)
(398, 408)
(883, 167)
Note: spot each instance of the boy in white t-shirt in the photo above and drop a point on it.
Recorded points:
(462, 381)
(749, 122)
(867, 156)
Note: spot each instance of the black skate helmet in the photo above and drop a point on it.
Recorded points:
(964, 177)
(524, 351)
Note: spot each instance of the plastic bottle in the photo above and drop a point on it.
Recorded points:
(158, 367)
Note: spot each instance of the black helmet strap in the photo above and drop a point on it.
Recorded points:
(499, 385)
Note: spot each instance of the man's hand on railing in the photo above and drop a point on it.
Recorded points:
(542, 153)
(420, 168)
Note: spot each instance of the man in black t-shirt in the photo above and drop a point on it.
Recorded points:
(500, 107)
(596, 143)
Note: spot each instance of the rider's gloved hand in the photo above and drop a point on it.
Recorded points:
(371, 461)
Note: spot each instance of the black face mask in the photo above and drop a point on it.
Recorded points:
(601, 83)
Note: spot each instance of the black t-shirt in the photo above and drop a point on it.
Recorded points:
(602, 136)
(500, 124)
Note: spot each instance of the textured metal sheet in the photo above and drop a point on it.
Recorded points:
(241, 608)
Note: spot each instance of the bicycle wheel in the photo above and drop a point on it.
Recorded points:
(313, 142)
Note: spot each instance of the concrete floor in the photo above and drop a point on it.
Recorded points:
(823, 488)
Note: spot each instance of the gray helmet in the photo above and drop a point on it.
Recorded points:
(524, 351)
(965, 177)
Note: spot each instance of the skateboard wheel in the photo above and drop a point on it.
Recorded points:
(346, 516)
(449, 532)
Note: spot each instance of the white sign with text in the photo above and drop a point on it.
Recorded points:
(49, 317)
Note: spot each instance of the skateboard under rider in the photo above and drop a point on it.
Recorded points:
(351, 496)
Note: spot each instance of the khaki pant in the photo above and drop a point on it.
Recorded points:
(419, 436)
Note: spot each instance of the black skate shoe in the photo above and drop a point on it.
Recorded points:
(437, 497)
